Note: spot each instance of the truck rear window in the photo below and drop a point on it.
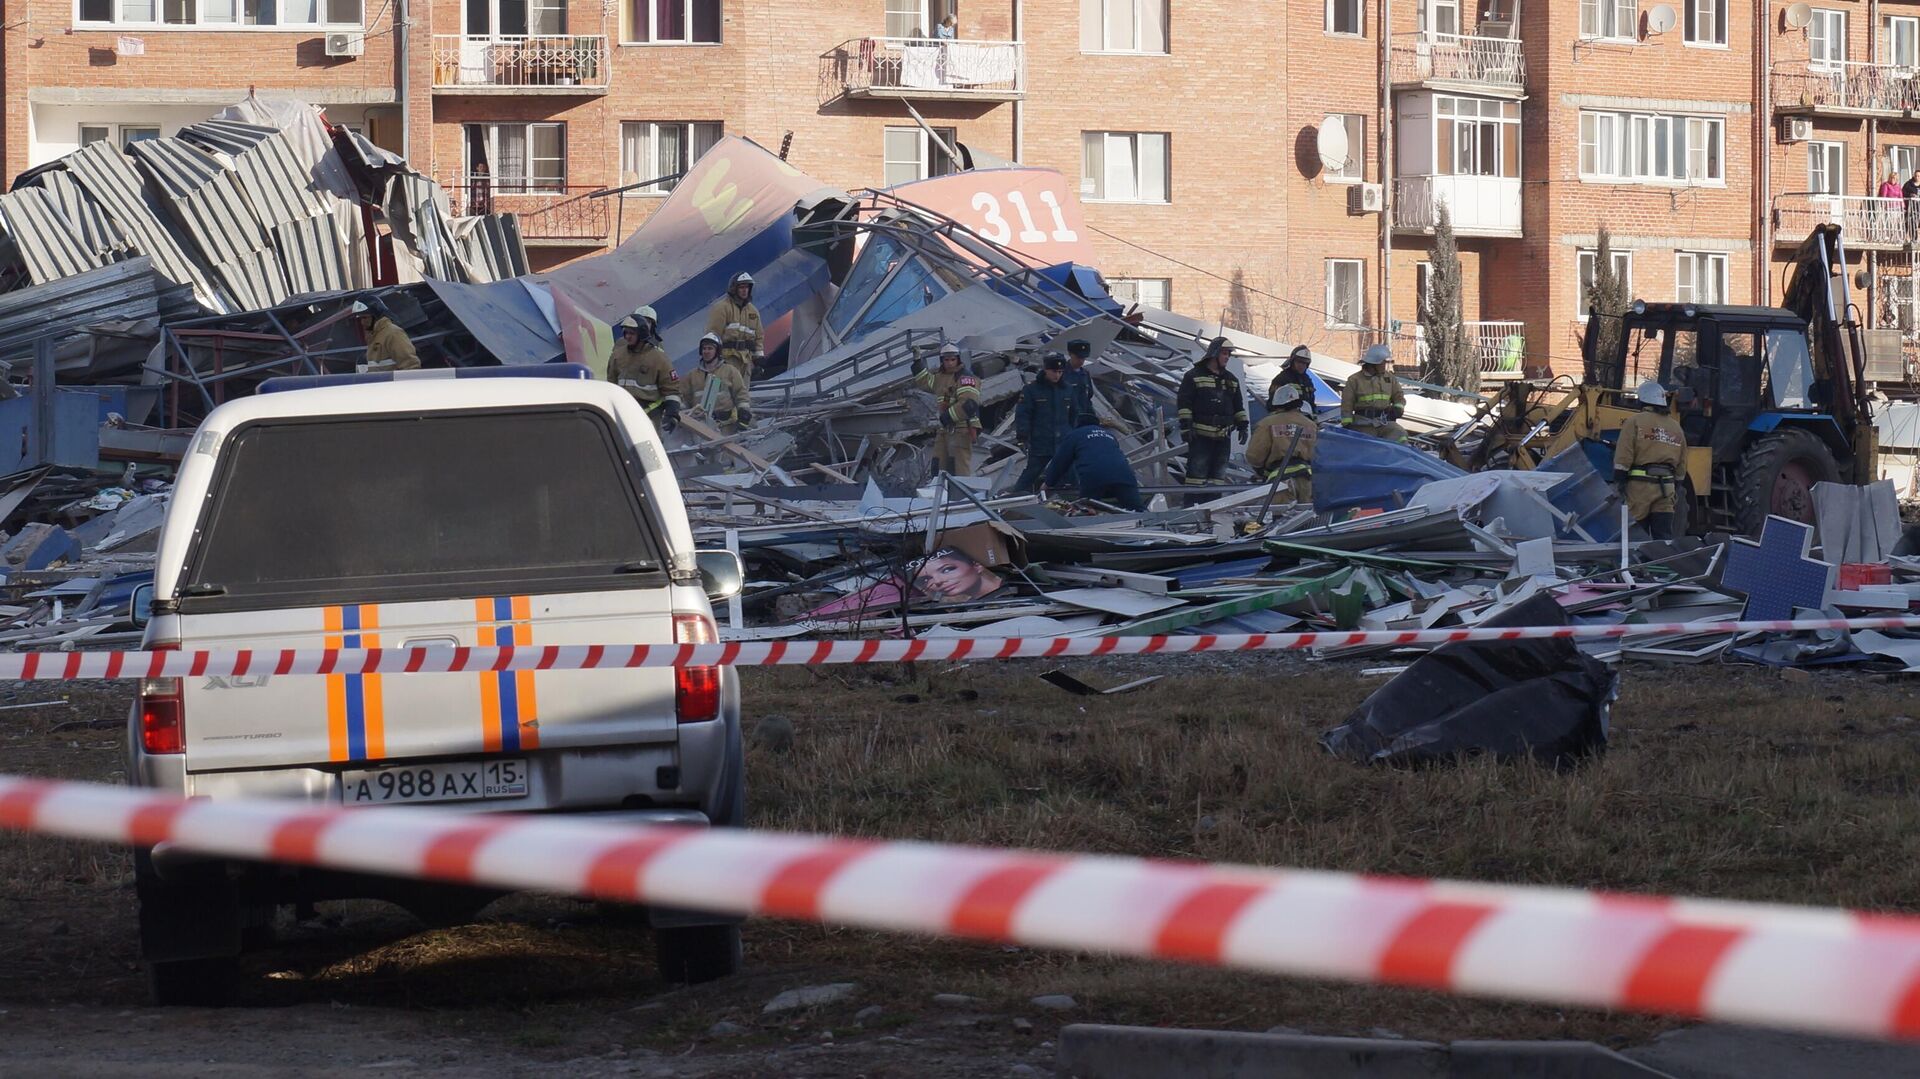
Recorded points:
(435, 504)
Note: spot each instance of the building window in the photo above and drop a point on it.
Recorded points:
(916, 19)
(1476, 136)
(1615, 20)
(1441, 17)
(1706, 22)
(1345, 17)
(651, 150)
(1354, 169)
(1827, 38)
(1827, 168)
(1589, 262)
(670, 22)
(1122, 166)
(1902, 162)
(1901, 33)
(122, 135)
(1145, 291)
(912, 155)
(1700, 277)
(1123, 26)
(218, 13)
(1346, 282)
(1652, 148)
(518, 158)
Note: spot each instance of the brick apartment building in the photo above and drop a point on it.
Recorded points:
(1707, 136)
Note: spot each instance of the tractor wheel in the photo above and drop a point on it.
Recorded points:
(1776, 477)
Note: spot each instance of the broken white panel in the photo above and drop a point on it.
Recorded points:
(1121, 601)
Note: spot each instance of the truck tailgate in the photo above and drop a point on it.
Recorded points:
(265, 720)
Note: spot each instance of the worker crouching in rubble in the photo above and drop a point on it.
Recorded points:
(735, 322)
(1281, 450)
(388, 346)
(1647, 461)
(1043, 416)
(1372, 401)
(1212, 410)
(640, 366)
(956, 394)
(1093, 457)
(717, 389)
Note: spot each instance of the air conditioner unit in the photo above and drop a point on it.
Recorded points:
(346, 43)
(1364, 199)
(1796, 129)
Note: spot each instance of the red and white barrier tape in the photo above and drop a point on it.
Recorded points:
(61, 666)
(1826, 970)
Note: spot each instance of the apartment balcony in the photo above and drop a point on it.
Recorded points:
(1837, 88)
(924, 70)
(1501, 347)
(550, 214)
(1472, 63)
(1867, 224)
(563, 65)
(1478, 205)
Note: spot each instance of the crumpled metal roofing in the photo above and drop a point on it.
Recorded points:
(206, 201)
(67, 308)
(48, 244)
(285, 200)
(112, 181)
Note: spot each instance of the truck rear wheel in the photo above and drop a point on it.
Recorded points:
(697, 953)
(190, 933)
(1776, 477)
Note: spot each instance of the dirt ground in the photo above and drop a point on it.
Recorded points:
(1724, 781)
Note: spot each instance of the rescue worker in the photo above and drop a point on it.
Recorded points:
(717, 389)
(640, 365)
(1372, 401)
(956, 394)
(1092, 456)
(1044, 414)
(736, 323)
(388, 346)
(1079, 380)
(1647, 461)
(1295, 374)
(1211, 409)
(1282, 446)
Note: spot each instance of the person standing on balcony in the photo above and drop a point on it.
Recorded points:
(736, 322)
(949, 28)
(1891, 211)
(1910, 191)
(479, 191)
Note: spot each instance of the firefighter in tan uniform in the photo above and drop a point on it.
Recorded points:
(1648, 461)
(1282, 446)
(736, 323)
(640, 366)
(1372, 401)
(716, 389)
(388, 346)
(957, 396)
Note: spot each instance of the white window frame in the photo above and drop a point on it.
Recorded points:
(1901, 160)
(633, 132)
(1827, 39)
(1586, 265)
(1707, 15)
(1145, 291)
(1355, 169)
(626, 21)
(923, 165)
(117, 133)
(1102, 14)
(1896, 30)
(1105, 146)
(530, 183)
(1359, 9)
(1427, 20)
(1827, 168)
(1610, 20)
(1690, 266)
(1357, 268)
(201, 20)
(1661, 149)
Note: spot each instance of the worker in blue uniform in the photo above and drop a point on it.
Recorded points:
(1092, 456)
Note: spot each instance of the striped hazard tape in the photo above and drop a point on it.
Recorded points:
(1826, 970)
(56, 666)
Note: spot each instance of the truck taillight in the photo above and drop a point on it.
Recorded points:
(163, 714)
(696, 690)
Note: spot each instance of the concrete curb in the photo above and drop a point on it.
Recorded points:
(1091, 1051)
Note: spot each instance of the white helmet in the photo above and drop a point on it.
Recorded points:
(647, 313)
(1652, 393)
(949, 349)
(1287, 394)
(741, 278)
(715, 338)
(360, 308)
(1378, 354)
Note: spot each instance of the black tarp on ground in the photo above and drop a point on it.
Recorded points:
(1544, 699)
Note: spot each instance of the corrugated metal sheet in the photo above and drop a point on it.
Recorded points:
(110, 178)
(93, 231)
(65, 309)
(205, 199)
(49, 245)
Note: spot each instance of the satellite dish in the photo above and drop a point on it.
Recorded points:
(1797, 16)
(1331, 141)
(1660, 19)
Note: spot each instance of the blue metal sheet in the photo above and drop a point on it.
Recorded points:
(1354, 471)
(503, 318)
(1776, 573)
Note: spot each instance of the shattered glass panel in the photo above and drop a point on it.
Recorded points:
(882, 253)
(911, 289)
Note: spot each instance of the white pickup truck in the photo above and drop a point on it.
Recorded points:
(492, 506)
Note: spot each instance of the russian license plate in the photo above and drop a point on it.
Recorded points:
(464, 781)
